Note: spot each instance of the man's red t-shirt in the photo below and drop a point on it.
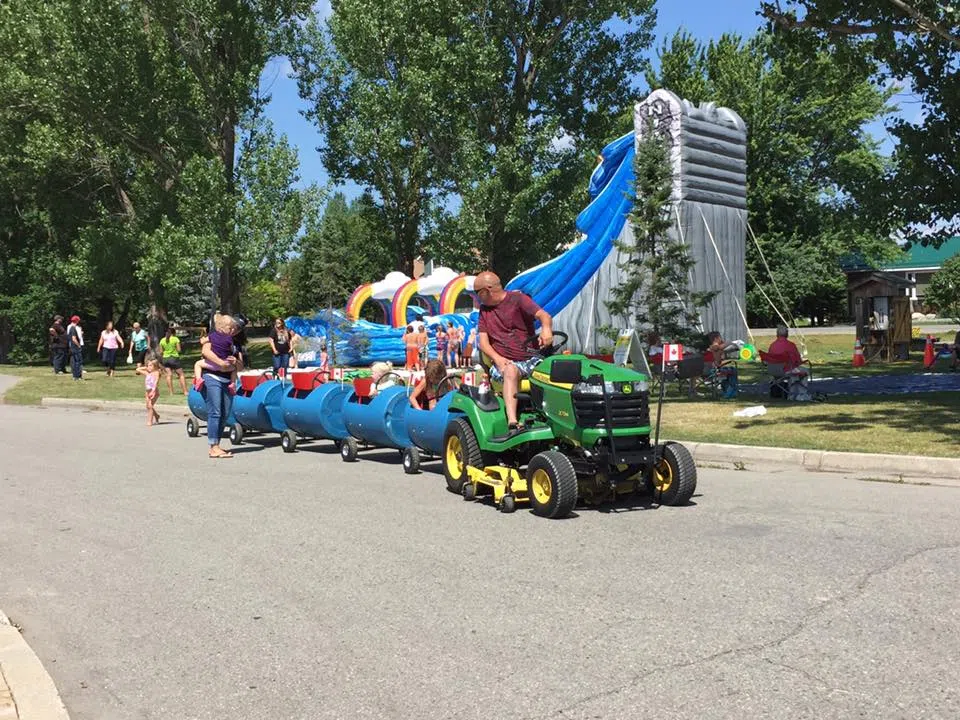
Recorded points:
(787, 351)
(509, 324)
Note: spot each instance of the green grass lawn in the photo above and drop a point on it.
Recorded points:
(919, 424)
(922, 424)
(40, 382)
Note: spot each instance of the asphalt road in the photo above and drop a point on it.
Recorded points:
(155, 583)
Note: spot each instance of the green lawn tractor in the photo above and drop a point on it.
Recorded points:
(585, 435)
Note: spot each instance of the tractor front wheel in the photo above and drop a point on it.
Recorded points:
(552, 484)
(673, 480)
(460, 451)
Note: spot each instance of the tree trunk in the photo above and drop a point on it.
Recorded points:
(156, 317)
(229, 287)
(124, 317)
(104, 311)
(229, 276)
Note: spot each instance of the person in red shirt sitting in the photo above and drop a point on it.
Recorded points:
(506, 322)
(784, 350)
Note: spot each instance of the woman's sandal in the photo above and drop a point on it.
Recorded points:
(221, 455)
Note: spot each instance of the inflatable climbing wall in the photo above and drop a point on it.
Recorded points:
(708, 152)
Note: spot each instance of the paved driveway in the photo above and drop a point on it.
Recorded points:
(155, 583)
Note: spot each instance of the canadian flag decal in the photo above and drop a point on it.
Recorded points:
(672, 353)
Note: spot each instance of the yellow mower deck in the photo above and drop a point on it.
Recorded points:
(502, 480)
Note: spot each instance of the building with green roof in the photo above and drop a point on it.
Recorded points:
(917, 265)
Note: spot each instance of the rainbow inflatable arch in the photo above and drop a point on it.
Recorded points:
(438, 292)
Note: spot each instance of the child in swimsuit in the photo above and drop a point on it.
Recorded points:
(152, 391)
(430, 389)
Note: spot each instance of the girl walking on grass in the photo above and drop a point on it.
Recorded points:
(152, 386)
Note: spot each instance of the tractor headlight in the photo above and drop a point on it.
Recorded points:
(588, 389)
(612, 388)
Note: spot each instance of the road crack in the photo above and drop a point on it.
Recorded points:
(808, 617)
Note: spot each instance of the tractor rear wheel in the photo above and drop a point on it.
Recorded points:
(552, 484)
(673, 480)
(460, 450)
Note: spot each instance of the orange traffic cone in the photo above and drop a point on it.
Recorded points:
(929, 357)
(858, 359)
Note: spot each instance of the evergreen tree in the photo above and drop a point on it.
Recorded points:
(654, 293)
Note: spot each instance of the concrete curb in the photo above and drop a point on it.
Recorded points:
(27, 692)
(902, 468)
(110, 405)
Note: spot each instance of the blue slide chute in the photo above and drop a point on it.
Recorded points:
(556, 282)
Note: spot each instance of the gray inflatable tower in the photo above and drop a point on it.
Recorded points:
(709, 156)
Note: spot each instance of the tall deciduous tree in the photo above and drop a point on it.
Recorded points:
(533, 96)
(472, 122)
(363, 76)
(813, 173)
(119, 169)
(223, 47)
(915, 42)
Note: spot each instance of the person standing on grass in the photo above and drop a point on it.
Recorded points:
(75, 343)
(58, 345)
(110, 342)
(170, 358)
(139, 342)
(280, 346)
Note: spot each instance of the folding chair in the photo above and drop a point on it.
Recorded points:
(691, 367)
(714, 378)
(781, 379)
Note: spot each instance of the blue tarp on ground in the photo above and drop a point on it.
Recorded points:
(874, 385)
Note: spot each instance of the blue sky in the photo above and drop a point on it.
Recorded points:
(704, 19)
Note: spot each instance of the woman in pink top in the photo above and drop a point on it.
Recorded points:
(110, 340)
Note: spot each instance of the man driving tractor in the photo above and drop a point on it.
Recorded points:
(505, 327)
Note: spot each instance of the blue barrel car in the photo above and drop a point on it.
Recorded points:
(197, 402)
(256, 406)
(387, 419)
(313, 408)
(375, 416)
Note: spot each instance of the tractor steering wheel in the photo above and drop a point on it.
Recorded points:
(533, 343)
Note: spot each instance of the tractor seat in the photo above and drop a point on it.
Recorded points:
(497, 385)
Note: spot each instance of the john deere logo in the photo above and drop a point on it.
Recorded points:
(627, 388)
